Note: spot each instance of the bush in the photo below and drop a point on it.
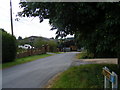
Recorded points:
(52, 46)
(85, 55)
(51, 43)
(8, 46)
(39, 43)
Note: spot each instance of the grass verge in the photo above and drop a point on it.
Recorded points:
(58, 52)
(24, 60)
(83, 76)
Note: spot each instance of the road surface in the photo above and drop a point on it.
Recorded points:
(36, 74)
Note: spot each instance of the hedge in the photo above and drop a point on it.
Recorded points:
(9, 48)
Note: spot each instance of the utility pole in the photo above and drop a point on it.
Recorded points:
(11, 17)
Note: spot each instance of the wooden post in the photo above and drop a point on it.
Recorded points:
(11, 17)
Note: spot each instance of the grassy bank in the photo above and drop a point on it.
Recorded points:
(24, 60)
(83, 76)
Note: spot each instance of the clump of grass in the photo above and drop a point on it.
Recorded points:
(24, 60)
(83, 76)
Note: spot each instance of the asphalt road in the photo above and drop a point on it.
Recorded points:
(36, 74)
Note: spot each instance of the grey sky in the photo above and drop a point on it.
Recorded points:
(26, 26)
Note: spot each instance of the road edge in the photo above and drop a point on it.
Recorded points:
(53, 80)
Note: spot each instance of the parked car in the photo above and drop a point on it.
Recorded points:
(25, 46)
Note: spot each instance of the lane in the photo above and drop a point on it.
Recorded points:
(36, 74)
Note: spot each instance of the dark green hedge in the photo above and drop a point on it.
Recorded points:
(8, 46)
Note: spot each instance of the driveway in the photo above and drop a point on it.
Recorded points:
(78, 62)
(36, 74)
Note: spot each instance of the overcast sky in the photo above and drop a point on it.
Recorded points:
(26, 26)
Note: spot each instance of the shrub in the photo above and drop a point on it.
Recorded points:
(85, 55)
(38, 43)
(51, 43)
(8, 46)
(52, 46)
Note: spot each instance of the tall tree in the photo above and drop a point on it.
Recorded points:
(96, 25)
(19, 38)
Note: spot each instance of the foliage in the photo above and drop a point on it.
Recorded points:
(80, 15)
(23, 41)
(52, 45)
(58, 52)
(8, 47)
(95, 25)
(20, 50)
(66, 42)
(83, 76)
(38, 43)
(19, 38)
(85, 55)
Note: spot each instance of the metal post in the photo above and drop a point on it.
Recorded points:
(110, 77)
(115, 83)
(106, 81)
